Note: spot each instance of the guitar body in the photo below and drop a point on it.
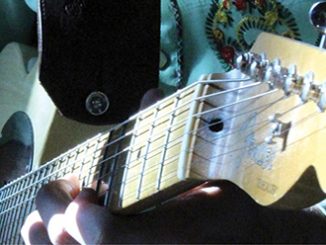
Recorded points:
(16, 147)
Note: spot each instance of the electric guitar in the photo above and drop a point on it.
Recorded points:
(261, 126)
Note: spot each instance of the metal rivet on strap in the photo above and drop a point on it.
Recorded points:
(74, 8)
(97, 103)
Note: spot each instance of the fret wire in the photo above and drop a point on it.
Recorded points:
(82, 164)
(18, 205)
(58, 171)
(171, 174)
(26, 176)
(29, 202)
(73, 160)
(170, 160)
(167, 138)
(12, 228)
(18, 226)
(22, 213)
(11, 190)
(7, 218)
(67, 164)
(154, 155)
(31, 206)
(2, 226)
(7, 224)
(7, 191)
(19, 198)
(160, 146)
(153, 140)
(1, 196)
(146, 152)
(125, 172)
(8, 203)
(92, 164)
(30, 186)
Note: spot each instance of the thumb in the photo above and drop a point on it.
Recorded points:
(85, 219)
(150, 97)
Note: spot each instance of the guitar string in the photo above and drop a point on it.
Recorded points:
(126, 197)
(138, 115)
(148, 187)
(146, 110)
(191, 132)
(109, 144)
(226, 153)
(182, 123)
(151, 141)
(317, 113)
(61, 170)
(72, 163)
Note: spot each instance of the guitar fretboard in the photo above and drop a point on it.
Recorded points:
(17, 198)
(136, 159)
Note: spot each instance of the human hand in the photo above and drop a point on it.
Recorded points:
(216, 212)
(67, 215)
(207, 214)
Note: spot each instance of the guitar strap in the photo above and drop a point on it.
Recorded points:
(99, 57)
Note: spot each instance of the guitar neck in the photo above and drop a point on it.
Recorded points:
(119, 154)
(264, 133)
(17, 197)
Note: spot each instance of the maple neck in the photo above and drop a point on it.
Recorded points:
(139, 145)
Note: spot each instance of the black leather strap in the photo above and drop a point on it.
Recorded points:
(107, 46)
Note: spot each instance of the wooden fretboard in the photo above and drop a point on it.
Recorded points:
(137, 159)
